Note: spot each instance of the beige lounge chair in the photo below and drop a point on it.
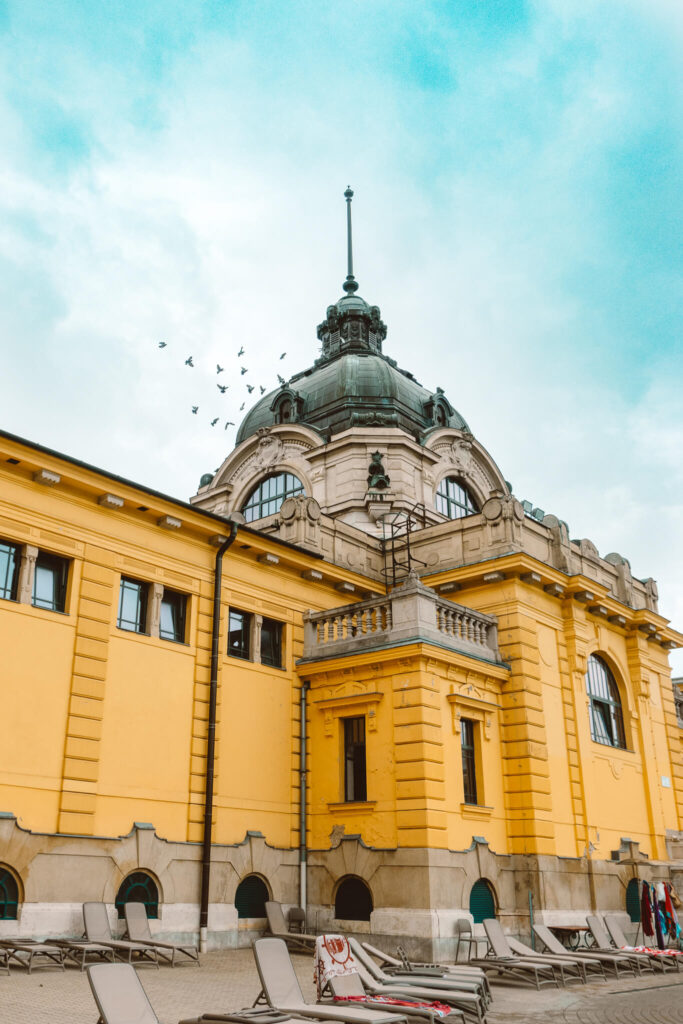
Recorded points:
(468, 999)
(405, 968)
(82, 952)
(97, 930)
(350, 986)
(665, 960)
(33, 954)
(511, 967)
(278, 929)
(119, 995)
(137, 929)
(570, 970)
(598, 962)
(604, 944)
(280, 989)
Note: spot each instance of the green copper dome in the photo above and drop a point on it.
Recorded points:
(353, 384)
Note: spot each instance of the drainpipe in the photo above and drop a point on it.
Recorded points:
(211, 739)
(302, 802)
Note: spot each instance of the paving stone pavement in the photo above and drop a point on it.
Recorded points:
(227, 980)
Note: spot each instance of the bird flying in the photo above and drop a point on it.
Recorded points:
(242, 406)
(195, 409)
(250, 388)
(281, 379)
(162, 344)
(240, 353)
(214, 422)
(262, 389)
(188, 361)
(228, 423)
(243, 370)
(222, 388)
(219, 368)
(283, 355)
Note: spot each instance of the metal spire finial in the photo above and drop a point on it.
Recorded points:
(350, 284)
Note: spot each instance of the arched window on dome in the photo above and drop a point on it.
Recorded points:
(268, 495)
(453, 500)
(606, 716)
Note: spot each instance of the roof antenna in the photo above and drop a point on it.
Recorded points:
(350, 284)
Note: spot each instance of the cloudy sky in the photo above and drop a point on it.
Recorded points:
(174, 171)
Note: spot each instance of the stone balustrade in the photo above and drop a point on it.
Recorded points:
(411, 612)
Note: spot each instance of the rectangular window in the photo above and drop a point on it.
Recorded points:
(239, 634)
(9, 570)
(355, 787)
(173, 612)
(49, 582)
(469, 772)
(271, 643)
(132, 605)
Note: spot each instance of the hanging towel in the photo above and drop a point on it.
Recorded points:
(671, 916)
(333, 957)
(646, 911)
(659, 923)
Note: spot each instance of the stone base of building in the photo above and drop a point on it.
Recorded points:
(417, 894)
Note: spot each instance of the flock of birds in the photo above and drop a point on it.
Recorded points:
(225, 387)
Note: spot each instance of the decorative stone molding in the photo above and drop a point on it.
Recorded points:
(27, 569)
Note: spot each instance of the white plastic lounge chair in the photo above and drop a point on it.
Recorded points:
(33, 954)
(350, 986)
(280, 989)
(669, 959)
(97, 930)
(603, 944)
(570, 970)
(119, 995)
(137, 929)
(598, 962)
(278, 929)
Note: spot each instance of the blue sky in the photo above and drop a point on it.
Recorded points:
(175, 170)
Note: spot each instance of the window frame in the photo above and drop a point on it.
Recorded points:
(10, 592)
(354, 760)
(362, 887)
(142, 609)
(247, 627)
(180, 599)
(468, 747)
(59, 566)
(605, 710)
(257, 504)
(134, 881)
(274, 660)
(8, 891)
(455, 505)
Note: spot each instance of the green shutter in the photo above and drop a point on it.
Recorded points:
(482, 904)
(633, 899)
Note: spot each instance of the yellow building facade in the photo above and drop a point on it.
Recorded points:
(425, 691)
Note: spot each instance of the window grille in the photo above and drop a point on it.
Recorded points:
(453, 500)
(132, 605)
(138, 888)
(239, 634)
(469, 772)
(606, 716)
(355, 786)
(9, 895)
(9, 566)
(353, 901)
(250, 897)
(633, 899)
(49, 582)
(482, 901)
(268, 495)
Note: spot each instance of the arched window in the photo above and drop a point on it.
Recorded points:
(606, 717)
(353, 901)
(250, 897)
(633, 899)
(482, 901)
(267, 497)
(138, 888)
(9, 895)
(454, 500)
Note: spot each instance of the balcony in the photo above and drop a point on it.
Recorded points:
(410, 613)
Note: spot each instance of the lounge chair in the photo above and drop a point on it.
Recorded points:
(405, 968)
(119, 995)
(4, 959)
(350, 986)
(82, 952)
(604, 945)
(33, 954)
(595, 961)
(570, 970)
(137, 930)
(278, 929)
(97, 930)
(469, 1000)
(280, 989)
(667, 958)
(509, 966)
